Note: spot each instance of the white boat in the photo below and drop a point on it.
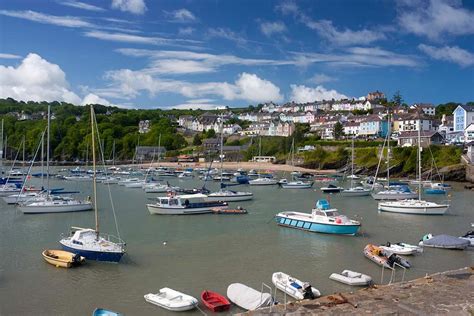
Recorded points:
(248, 298)
(295, 184)
(128, 181)
(353, 177)
(402, 248)
(396, 194)
(158, 188)
(135, 184)
(356, 191)
(110, 180)
(469, 236)
(263, 181)
(444, 241)
(351, 278)
(294, 287)
(172, 300)
(229, 196)
(78, 178)
(413, 206)
(184, 205)
(20, 197)
(9, 189)
(51, 204)
(439, 185)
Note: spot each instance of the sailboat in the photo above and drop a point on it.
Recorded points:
(294, 184)
(49, 203)
(354, 191)
(87, 242)
(227, 195)
(391, 193)
(415, 206)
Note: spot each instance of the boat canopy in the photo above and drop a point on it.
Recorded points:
(322, 204)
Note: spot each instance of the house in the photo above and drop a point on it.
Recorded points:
(426, 108)
(407, 139)
(351, 128)
(463, 116)
(373, 126)
(249, 116)
(230, 129)
(285, 129)
(185, 121)
(144, 127)
(149, 152)
(377, 95)
(447, 124)
(412, 121)
(469, 133)
(211, 144)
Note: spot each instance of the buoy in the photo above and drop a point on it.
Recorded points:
(164, 243)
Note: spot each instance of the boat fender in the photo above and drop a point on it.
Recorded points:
(338, 220)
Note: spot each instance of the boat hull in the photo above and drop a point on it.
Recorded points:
(153, 209)
(439, 210)
(95, 255)
(229, 198)
(296, 186)
(355, 193)
(55, 209)
(317, 227)
(394, 196)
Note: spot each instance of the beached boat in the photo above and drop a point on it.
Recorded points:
(63, 259)
(294, 287)
(248, 298)
(469, 236)
(172, 300)
(384, 258)
(183, 205)
(105, 312)
(444, 241)
(331, 188)
(351, 278)
(215, 301)
(401, 248)
(321, 220)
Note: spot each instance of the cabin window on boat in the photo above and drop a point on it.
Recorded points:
(173, 202)
(331, 213)
(164, 201)
(320, 213)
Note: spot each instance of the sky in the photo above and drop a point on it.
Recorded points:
(208, 53)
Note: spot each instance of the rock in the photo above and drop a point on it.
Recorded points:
(453, 173)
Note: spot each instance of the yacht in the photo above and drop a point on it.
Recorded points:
(184, 205)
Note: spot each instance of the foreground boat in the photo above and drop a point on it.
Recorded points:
(384, 258)
(63, 259)
(184, 205)
(321, 220)
(351, 278)
(172, 300)
(248, 298)
(294, 287)
(444, 241)
(215, 301)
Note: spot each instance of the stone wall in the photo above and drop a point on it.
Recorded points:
(470, 173)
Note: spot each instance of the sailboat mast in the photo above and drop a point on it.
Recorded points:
(419, 158)
(47, 147)
(94, 183)
(23, 164)
(113, 154)
(159, 149)
(42, 159)
(388, 149)
(222, 149)
(352, 164)
(1, 151)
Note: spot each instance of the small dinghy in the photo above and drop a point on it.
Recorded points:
(105, 312)
(63, 259)
(294, 287)
(248, 298)
(172, 300)
(401, 248)
(351, 278)
(383, 257)
(469, 236)
(215, 301)
(444, 241)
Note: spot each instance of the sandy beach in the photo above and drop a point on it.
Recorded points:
(247, 165)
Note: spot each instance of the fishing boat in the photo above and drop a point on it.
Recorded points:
(401, 248)
(294, 287)
(172, 300)
(105, 312)
(351, 278)
(263, 181)
(298, 184)
(444, 241)
(322, 219)
(63, 259)
(183, 205)
(331, 188)
(384, 258)
(247, 297)
(215, 301)
(469, 236)
(90, 243)
(354, 191)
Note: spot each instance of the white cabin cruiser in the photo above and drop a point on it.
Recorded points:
(184, 205)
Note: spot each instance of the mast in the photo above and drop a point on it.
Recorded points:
(222, 150)
(419, 157)
(42, 159)
(159, 149)
(113, 153)
(388, 149)
(94, 183)
(47, 148)
(352, 164)
(1, 151)
(23, 164)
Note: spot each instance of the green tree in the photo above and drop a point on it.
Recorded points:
(197, 140)
(397, 98)
(338, 130)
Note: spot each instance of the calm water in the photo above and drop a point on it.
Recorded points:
(204, 251)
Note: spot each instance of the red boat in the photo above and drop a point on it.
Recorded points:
(214, 301)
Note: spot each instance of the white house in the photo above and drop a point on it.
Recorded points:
(410, 123)
(351, 128)
(469, 133)
(463, 116)
(428, 109)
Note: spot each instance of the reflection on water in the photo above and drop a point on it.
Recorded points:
(204, 251)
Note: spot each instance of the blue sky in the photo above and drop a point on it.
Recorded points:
(149, 54)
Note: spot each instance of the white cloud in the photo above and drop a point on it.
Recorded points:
(200, 101)
(186, 31)
(194, 106)
(36, 79)
(321, 78)
(66, 21)
(133, 6)
(253, 88)
(81, 5)
(227, 34)
(9, 56)
(452, 54)
(288, 7)
(303, 94)
(181, 16)
(436, 18)
(179, 66)
(270, 28)
(94, 99)
(138, 39)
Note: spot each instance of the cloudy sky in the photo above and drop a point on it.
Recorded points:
(149, 54)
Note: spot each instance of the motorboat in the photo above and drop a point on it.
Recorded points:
(294, 287)
(298, 184)
(229, 196)
(331, 188)
(444, 241)
(470, 237)
(105, 312)
(158, 188)
(413, 206)
(439, 185)
(215, 301)
(384, 258)
(263, 181)
(184, 205)
(401, 248)
(51, 204)
(247, 297)
(128, 181)
(356, 191)
(322, 219)
(351, 278)
(401, 193)
(172, 300)
(63, 259)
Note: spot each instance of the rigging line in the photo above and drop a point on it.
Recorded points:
(14, 161)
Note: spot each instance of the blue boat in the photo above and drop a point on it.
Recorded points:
(322, 219)
(105, 312)
(435, 191)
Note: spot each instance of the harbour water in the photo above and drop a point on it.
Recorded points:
(194, 253)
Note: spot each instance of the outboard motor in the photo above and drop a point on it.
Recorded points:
(307, 292)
